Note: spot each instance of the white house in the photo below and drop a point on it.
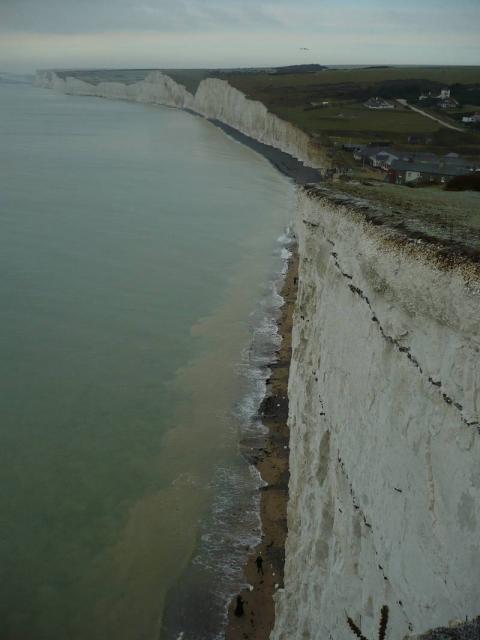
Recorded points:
(472, 119)
(378, 103)
(382, 159)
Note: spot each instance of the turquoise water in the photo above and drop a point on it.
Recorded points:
(137, 250)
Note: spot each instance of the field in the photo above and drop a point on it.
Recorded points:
(298, 98)
(352, 117)
(256, 83)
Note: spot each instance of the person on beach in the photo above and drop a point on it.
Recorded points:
(239, 608)
(259, 563)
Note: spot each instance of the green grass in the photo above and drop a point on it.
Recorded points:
(355, 118)
(292, 96)
(445, 215)
(465, 108)
(256, 83)
(436, 204)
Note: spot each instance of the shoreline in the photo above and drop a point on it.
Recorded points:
(270, 455)
(269, 452)
(285, 163)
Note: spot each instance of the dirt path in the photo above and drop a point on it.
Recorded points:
(404, 103)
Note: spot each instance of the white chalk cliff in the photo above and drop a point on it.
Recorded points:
(384, 406)
(385, 444)
(214, 99)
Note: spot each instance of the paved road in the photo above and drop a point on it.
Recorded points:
(427, 115)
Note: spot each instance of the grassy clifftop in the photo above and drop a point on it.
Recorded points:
(329, 104)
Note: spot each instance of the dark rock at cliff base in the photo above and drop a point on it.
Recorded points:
(284, 162)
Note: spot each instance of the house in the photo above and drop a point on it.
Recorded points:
(419, 157)
(412, 173)
(403, 172)
(383, 160)
(473, 119)
(376, 159)
(352, 147)
(361, 153)
(423, 156)
(454, 160)
(368, 155)
(444, 100)
(448, 103)
(324, 103)
(378, 103)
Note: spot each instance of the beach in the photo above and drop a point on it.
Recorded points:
(287, 164)
(132, 297)
(270, 455)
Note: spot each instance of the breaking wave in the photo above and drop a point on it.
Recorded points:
(234, 526)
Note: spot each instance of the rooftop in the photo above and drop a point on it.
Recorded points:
(435, 168)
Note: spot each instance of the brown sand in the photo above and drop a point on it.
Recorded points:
(270, 456)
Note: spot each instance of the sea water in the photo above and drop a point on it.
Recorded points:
(141, 253)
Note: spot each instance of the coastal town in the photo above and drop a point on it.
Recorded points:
(406, 127)
(411, 168)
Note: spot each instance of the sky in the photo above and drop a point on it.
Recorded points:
(39, 34)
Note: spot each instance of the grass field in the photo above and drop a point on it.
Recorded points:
(257, 83)
(294, 97)
(355, 118)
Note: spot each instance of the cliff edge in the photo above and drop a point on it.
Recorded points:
(385, 434)
(214, 99)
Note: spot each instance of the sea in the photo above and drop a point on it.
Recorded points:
(142, 253)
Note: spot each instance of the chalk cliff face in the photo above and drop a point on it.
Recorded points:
(385, 445)
(218, 100)
(384, 406)
(214, 99)
(156, 88)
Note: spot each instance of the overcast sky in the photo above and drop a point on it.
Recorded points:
(224, 33)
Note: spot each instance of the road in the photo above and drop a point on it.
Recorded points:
(427, 115)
